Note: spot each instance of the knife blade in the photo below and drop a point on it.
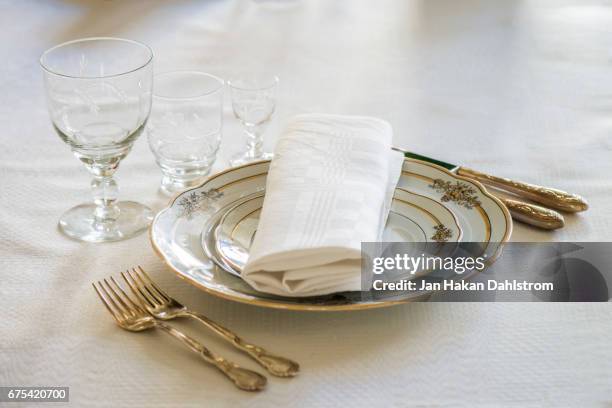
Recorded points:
(410, 155)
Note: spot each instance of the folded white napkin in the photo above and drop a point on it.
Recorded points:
(329, 188)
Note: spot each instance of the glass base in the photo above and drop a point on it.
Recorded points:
(245, 158)
(79, 222)
(171, 186)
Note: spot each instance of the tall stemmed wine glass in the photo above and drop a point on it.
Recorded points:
(253, 102)
(99, 98)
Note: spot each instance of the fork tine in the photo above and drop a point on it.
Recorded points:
(142, 284)
(116, 299)
(105, 302)
(125, 297)
(157, 289)
(117, 311)
(141, 295)
(148, 287)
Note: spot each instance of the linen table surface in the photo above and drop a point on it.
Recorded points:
(515, 88)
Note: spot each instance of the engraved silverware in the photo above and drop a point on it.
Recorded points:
(550, 197)
(535, 215)
(159, 304)
(130, 316)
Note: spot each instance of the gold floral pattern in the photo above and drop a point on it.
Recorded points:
(197, 201)
(458, 192)
(442, 233)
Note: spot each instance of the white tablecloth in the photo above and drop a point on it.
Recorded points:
(515, 88)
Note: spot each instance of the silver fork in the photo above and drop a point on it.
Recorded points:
(132, 317)
(162, 306)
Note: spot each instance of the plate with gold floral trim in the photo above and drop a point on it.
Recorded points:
(412, 218)
(176, 232)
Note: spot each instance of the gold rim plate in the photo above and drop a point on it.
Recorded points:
(177, 230)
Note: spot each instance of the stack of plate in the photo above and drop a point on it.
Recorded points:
(206, 232)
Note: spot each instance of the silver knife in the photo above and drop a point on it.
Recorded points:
(550, 197)
(521, 211)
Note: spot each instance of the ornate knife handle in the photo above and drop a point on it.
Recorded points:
(550, 197)
(534, 214)
(276, 365)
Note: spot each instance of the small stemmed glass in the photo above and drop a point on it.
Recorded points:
(253, 102)
(99, 97)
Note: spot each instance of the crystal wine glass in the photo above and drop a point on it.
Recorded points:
(185, 126)
(99, 97)
(253, 102)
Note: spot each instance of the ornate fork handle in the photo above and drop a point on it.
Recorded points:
(276, 365)
(550, 197)
(244, 379)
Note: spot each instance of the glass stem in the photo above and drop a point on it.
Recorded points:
(254, 141)
(105, 191)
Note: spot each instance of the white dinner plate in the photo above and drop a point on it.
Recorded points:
(177, 231)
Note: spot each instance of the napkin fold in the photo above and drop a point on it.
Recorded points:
(329, 188)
